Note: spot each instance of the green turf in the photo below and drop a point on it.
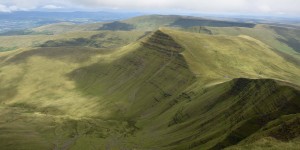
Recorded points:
(167, 89)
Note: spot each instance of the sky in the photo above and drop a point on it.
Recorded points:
(265, 7)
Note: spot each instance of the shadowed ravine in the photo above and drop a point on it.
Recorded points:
(168, 90)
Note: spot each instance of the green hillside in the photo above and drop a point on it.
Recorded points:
(283, 40)
(148, 23)
(111, 34)
(97, 39)
(167, 89)
(155, 21)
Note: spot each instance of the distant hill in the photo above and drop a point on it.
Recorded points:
(24, 20)
(148, 23)
(283, 40)
(156, 21)
(166, 89)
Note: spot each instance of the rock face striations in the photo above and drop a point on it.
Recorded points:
(168, 90)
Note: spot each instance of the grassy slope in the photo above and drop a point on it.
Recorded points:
(92, 38)
(234, 56)
(64, 27)
(272, 36)
(68, 31)
(170, 90)
(152, 22)
(148, 23)
(278, 134)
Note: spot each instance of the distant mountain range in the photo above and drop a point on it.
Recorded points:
(155, 82)
(29, 19)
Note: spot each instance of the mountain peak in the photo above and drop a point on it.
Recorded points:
(161, 41)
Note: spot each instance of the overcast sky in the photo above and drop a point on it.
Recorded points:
(272, 7)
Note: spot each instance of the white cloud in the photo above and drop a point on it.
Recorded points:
(232, 6)
(264, 8)
(25, 4)
(218, 6)
(52, 7)
(4, 8)
(13, 8)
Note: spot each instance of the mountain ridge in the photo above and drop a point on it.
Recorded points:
(169, 89)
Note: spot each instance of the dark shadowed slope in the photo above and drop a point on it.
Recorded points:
(168, 90)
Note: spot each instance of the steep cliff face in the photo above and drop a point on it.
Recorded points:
(226, 114)
(256, 103)
(168, 90)
(153, 72)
